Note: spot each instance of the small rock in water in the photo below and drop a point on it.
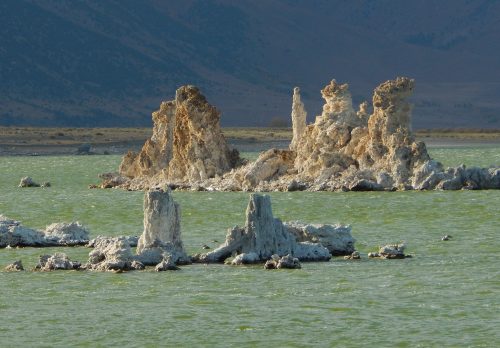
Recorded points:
(288, 262)
(15, 266)
(204, 246)
(354, 256)
(137, 265)
(446, 237)
(46, 184)
(391, 251)
(166, 265)
(28, 182)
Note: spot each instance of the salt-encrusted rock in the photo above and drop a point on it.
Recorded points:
(161, 237)
(13, 234)
(69, 234)
(112, 254)
(299, 116)
(187, 144)
(131, 240)
(262, 237)
(392, 251)
(166, 265)
(15, 266)
(336, 238)
(58, 261)
(28, 182)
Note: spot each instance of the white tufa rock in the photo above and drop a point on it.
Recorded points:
(299, 117)
(70, 234)
(161, 237)
(112, 254)
(58, 261)
(336, 238)
(262, 237)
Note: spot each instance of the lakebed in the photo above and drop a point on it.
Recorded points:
(446, 295)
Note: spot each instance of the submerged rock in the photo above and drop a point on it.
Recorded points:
(261, 237)
(15, 266)
(58, 261)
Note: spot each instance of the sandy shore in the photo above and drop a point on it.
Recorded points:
(31, 141)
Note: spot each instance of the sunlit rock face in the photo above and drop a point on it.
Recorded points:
(344, 149)
(187, 144)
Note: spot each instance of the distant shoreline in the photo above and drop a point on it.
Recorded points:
(41, 141)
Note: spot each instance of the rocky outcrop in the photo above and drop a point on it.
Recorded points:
(15, 266)
(343, 150)
(263, 236)
(161, 238)
(58, 261)
(187, 145)
(13, 233)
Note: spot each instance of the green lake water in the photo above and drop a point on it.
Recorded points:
(447, 295)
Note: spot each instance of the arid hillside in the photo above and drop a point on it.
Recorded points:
(109, 63)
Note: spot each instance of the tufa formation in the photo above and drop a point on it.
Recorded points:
(344, 149)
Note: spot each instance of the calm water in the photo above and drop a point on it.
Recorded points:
(448, 294)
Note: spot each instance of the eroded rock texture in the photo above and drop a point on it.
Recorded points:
(161, 238)
(13, 233)
(299, 116)
(187, 144)
(344, 149)
(264, 236)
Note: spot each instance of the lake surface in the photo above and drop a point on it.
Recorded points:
(447, 295)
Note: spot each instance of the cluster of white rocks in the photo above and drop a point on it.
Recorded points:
(159, 245)
(14, 234)
(344, 149)
(264, 236)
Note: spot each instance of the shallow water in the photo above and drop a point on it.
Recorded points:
(446, 295)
